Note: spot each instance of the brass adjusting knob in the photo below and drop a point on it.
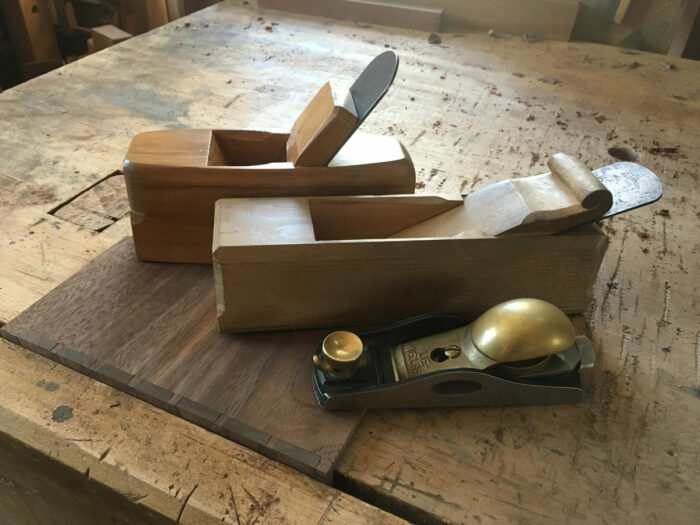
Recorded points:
(341, 354)
(522, 329)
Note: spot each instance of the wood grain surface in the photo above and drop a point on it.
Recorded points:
(74, 450)
(472, 111)
(174, 177)
(149, 329)
(271, 271)
(323, 126)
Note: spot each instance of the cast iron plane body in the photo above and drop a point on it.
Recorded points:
(375, 385)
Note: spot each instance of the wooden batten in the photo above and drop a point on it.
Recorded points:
(174, 177)
(553, 19)
(326, 262)
(324, 125)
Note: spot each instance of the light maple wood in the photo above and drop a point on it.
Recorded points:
(386, 13)
(273, 272)
(553, 19)
(395, 14)
(626, 454)
(150, 330)
(541, 204)
(368, 218)
(174, 178)
(323, 126)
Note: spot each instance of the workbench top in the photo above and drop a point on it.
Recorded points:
(471, 110)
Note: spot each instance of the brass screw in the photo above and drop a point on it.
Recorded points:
(341, 354)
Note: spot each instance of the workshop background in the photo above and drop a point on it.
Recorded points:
(37, 36)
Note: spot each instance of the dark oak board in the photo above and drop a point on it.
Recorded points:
(149, 329)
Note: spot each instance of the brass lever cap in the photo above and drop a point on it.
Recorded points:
(522, 329)
(342, 350)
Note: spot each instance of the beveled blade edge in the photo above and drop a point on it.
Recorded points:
(373, 83)
(632, 186)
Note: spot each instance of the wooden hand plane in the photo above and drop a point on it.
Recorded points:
(174, 177)
(465, 254)
(520, 352)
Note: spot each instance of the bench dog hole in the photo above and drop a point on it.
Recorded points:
(624, 153)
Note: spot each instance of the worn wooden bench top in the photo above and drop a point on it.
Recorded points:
(471, 111)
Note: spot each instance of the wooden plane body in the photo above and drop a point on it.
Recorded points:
(174, 177)
(283, 263)
(302, 262)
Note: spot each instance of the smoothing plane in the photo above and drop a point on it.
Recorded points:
(520, 352)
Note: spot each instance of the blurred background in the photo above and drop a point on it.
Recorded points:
(37, 36)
